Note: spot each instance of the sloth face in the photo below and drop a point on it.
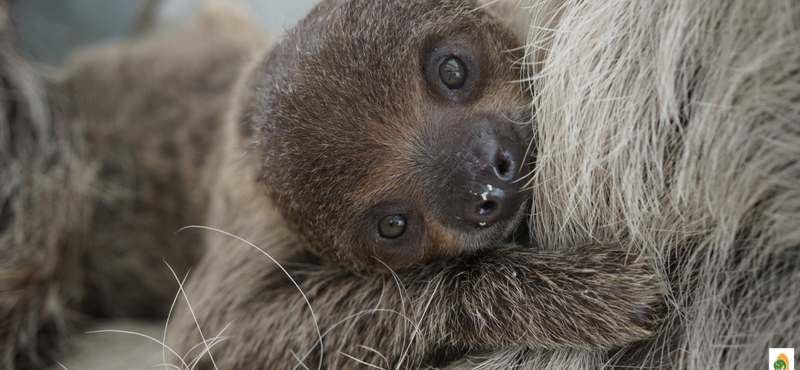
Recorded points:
(387, 131)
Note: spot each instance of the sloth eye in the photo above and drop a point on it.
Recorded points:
(393, 226)
(453, 73)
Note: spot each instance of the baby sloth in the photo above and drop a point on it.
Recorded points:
(388, 144)
(381, 135)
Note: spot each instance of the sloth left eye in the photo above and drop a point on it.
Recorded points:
(393, 226)
(453, 73)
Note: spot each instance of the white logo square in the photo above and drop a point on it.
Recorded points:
(781, 359)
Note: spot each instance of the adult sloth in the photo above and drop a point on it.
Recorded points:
(674, 128)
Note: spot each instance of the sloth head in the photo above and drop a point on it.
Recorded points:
(387, 131)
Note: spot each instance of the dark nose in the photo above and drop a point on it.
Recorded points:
(494, 178)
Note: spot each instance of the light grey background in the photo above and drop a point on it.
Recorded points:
(50, 29)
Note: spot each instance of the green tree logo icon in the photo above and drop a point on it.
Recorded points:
(780, 365)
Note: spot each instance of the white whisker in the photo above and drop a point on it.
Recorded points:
(305, 298)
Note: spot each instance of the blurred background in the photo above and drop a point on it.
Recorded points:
(50, 29)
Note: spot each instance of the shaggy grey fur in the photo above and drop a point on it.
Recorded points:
(674, 128)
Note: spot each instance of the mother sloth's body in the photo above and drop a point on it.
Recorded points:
(674, 128)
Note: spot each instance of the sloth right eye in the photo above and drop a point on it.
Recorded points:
(391, 227)
(453, 73)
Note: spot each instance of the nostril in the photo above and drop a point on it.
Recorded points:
(488, 207)
(504, 167)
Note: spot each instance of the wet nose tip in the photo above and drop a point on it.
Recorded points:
(496, 193)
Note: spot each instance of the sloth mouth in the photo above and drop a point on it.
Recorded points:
(518, 232)
(512, 230)
(517, 229)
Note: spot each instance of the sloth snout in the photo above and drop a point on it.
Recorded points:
(491, 176)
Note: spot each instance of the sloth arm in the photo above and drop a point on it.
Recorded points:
(508, 296)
